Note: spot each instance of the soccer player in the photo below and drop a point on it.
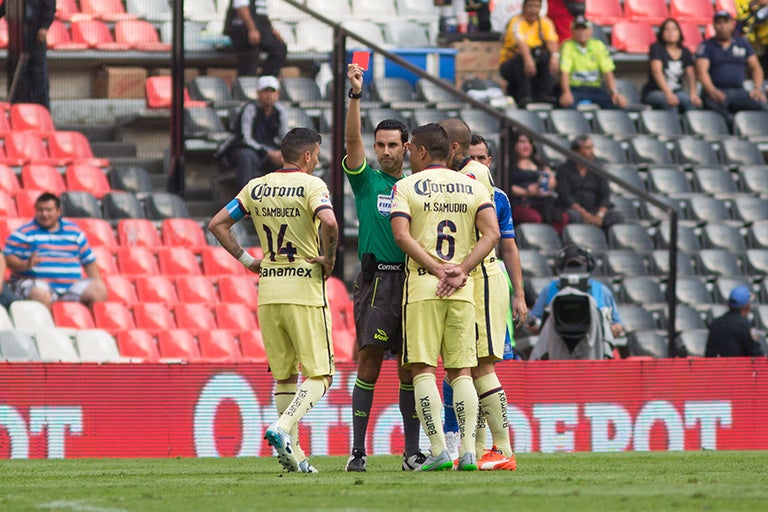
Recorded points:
(379, 286)
(287, 208)
(436, 217)
(491, 306)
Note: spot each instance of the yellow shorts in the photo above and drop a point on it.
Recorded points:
(436, 328)
(491, 306)
(296, 334)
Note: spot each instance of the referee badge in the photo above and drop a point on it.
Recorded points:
(384, 204)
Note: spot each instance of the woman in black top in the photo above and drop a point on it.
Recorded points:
(670, 63)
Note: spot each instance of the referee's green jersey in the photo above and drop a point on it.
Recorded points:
(373, 200)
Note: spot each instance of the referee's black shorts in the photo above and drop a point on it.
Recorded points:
(378, 303)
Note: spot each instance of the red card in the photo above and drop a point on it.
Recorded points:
(361, 59)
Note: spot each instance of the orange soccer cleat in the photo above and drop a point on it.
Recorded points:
(493, 459)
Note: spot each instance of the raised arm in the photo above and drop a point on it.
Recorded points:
(353, 131)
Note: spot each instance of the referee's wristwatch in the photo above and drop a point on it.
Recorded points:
(353, 95)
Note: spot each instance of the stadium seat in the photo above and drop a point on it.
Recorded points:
(97, 346)
(757, 262)
(96, 35)
(113, 317)
(406, 35)
(708, 209)
(664, 124)
(25, 202)
(153, 316)
(105, 261)
(252, 346)
(59, 38)
(122, 205)
(3, 33)
(72, 314)
(56, 346)
(120, 289)
(302, 91)
(183, 232)
(707, 124)
(138, 232)
(669, 181)
(652, 12)
(533, 265)
(695, 151)
(738, 152)
(394, 92)
(98, 232)
(164, 205)
(87, 178)
(691, 290)
(204, 123)
(107, 10)
(686, 317)
(67, 10)
(42, 177)
(659, 263)
(627, 207)
(159, 93)
(694, 341)
(692, 36)
(647, 343)
(177, 261)
(238, 290)
(587, 235)
(7, 206)
(643, 290)
(30, 315)
(73, 146)
(236, 317)
(633, 237)
(528, 118)
(9, 183)
(18, 346)
(200, 10)
(131, 179)
(244, 88)
(604, 12)
(540, 237)
(718, 235)
(139, 35)
(479, 121)
(566, 121)
(719, 262)
(607, 150)
(178, 344)
(752, 125)
(137, 261)
(138, 344)
(615, 123)
(218, 262)
(200, 290)
(628, 173)
(750, 209)
(633, 36)
(219, 346)
(758, 235)
(29, 147)
(31, 116)
(724, 284)
(646, 149)
(699, 12)
(76, 203)
(726, 5)
(157, 289)
(437, 97)
(635, 317)
(196, 317)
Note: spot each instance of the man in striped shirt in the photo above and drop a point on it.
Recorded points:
(47, 256)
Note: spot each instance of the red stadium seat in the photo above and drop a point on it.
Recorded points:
(236, 317)
(31, 116)
(43, 177)
(632, 37)
(183, 232)
(153, 316)
(72, 314)
(238, 290)
(699, 12)
(5, 159)
(158, 93)
(140, 35)
(157, 289)
(75, 147)
(58, 38)
(98, 232)
(138, 233)
(137, 261)
(8, 225)
(652, 12)
(219, 346)
(8, 180)
(178, 261)
(604, 12)
(726, 5)
(198, 289)
(138, 344)
(5, 122)
(96, 35)
(343, 344)
(67, 10)
(7, 205)
(338, 296)
(87, 178)
(120, 289)
(29, 147)
(218, 262)
(107, 10)
(3, 33)
(105, 261)
(194, 317)
(178, 344)
(252, 346)
(691, 35)
(113, 317)
(25, 201)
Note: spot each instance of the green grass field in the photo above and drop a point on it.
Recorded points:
(563, 482)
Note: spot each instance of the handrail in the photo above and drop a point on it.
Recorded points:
(337, 179)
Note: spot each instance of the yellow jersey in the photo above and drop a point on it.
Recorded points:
(482, 174)
(283, 206)
(441, 206)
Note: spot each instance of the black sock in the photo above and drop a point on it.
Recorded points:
(411, 424)
(362, 399)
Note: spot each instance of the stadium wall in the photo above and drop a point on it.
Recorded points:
(209, 410)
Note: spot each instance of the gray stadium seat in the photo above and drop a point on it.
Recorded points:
(630, 236)
(659, 263)
(212, 89)
(723, 236)
(529, 118)
(540, 237)
(533, 264)
(691, 290)
(406, 35)
(664, 124)
(718, 262)
(708, 124)
(18, 346)
(436, 96)
(648, 343)
(623, 263)
(694, 341)
(122, 205)
(650, 150)
(754, 179)
(669, 181)
(693, 151)
(569, 122)
(76, 203)
(586, 235)
(750, 209)
(130, 179)
(642, 290)
(714, 180)
(635, 317)
(737, 152)
(616, 123)
(757, 236)
(164, 205)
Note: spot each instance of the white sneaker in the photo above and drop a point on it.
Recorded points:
(452, 444)
(306, 467)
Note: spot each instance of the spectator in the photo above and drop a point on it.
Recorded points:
(670, 63)
(251, 32)
(32, 86)
(585, 195)
(503, 10)
(529, 59)
(562, 12)
(752, 16)
(582, 62)
(47, 256)
(533, 187)
(6, 294)
(731, 334)
(253, 148)
(721, 66)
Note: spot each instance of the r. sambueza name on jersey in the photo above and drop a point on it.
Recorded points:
(286, 272)
(276, 211)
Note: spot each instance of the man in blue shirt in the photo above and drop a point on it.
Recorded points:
(721, 65)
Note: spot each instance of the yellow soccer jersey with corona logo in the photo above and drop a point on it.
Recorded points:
(482, 174)
(282, 206)
(441, 205)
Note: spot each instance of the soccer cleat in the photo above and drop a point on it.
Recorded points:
(439, 463)
(306, 467)
(413, 462)
(356, 461)
(452, 444)
(493, 459)
(281, 442)
(467, 462)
